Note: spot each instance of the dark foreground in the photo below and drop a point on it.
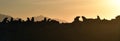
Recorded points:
(51, 30)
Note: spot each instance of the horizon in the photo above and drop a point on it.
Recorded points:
(62, 19)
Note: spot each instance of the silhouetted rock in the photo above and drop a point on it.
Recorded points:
(2, 16)
(118, 17)
(76, 20)
(40, 18)
(84, 18)
(33, 20)
(12, 19)
(98, 17)
(28, 20)
(5, 20)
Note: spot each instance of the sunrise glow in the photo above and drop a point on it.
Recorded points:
(115, 6)
(62, 9)
(114, 2)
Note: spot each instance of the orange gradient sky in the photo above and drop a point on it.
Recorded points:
(61, 9)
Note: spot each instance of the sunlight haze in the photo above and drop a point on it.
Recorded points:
(61, 9)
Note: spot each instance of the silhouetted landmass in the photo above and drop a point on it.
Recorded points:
(40, 18)
(51, 30)
(36, 18)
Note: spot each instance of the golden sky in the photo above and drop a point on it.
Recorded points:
(61, 9)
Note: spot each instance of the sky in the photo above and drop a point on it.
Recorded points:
(61, 9)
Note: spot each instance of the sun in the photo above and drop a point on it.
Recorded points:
(114, 2)
(113, 6)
